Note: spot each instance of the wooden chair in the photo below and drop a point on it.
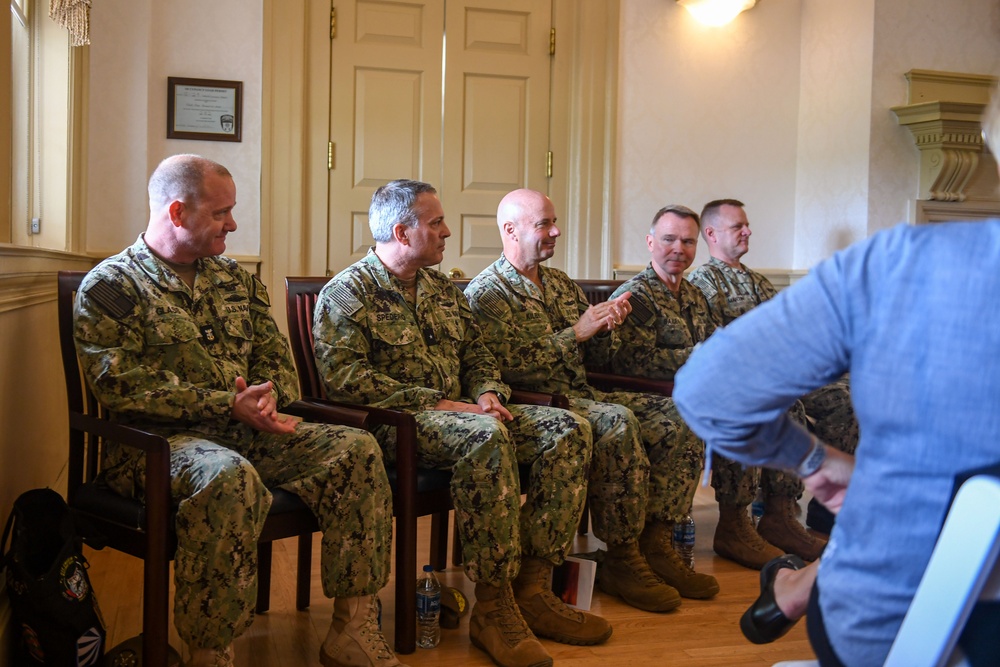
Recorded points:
(145, 529)
(416, 491)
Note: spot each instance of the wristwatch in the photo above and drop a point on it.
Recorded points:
(813, 460)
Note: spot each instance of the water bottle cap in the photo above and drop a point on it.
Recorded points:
(428, 568)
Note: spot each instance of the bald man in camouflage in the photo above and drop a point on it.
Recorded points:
(391, 332)
(177, 340)
(733, 289)
(543, 329)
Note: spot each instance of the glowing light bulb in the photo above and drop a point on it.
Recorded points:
(716, 12)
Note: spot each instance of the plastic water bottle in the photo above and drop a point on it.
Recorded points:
(757, 507)
(428, 609)
(684, 539)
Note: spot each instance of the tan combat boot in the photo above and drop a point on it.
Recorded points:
(496, 627)
(547, 615)
(779, 526)
(210, 657)
(354, 639)
(657, 545)
(626, 574)
(737, 540)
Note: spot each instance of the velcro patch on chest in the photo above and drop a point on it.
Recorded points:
(111, 298)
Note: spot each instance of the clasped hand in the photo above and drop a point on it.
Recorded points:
(602, 317)
(487, 404)
(256, 407)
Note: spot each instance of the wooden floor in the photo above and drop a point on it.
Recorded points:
(699, 634)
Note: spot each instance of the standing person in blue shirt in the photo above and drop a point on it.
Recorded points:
(911, 313)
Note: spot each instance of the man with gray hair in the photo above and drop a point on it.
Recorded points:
(393, 333)
(732, 289)
(177, 340)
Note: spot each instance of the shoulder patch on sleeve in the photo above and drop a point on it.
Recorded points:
(641, 308)
(260, 293)
(345, 300)
(110, 298)
(491, 303)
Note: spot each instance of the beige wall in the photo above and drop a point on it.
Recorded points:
(706, 113)
(787, 109)
(136, 45)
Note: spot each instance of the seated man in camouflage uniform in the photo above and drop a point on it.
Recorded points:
(390, 332)
(731, 290)
(543, 329)
(669, 317)
(177, 340)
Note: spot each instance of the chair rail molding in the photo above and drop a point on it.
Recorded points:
(943, 114)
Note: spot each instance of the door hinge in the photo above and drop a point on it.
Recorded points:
(333, 22)
(548, 164)
(330, 151)
(552, 41)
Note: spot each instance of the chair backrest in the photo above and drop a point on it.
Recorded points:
(300, 295)
(962, 570)
(598, 291)
(84, 460)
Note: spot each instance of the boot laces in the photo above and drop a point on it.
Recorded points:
(509, 620)
(555, 604)
(374, 639)
(636, 562)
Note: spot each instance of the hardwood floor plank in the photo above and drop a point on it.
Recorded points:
(701, 633)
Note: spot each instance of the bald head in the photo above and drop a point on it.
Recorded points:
(527, 223)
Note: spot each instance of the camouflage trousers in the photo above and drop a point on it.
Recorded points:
(483, 454)
(222, 499)
(827, 412)
(675, 453)
(618, 488)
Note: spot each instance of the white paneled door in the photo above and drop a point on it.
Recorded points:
(455, 93)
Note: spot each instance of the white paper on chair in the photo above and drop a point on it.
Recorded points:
(573, 582)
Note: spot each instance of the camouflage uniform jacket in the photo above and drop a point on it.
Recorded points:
(374, 348)
(662, 329)
(731, 292)
(531, 330)
(165, 357)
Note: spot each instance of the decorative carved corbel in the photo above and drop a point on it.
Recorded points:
(947, 131)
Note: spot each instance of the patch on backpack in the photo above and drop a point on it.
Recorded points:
(110, 298)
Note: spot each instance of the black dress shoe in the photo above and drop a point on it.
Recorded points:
(819, 518)
(764, 622)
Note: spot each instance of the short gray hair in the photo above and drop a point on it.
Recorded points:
(676, 209)
(392, 204)
(182, 178)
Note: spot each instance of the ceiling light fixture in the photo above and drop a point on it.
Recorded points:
(716, 12)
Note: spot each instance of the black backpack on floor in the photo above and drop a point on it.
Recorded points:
(55, 610)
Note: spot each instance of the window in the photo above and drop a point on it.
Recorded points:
(41, 102)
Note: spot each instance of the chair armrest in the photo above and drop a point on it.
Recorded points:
(538, 398)
(611, 382)
(327, 412)
(157, 454)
